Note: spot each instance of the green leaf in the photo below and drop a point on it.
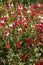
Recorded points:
(3, 1)
(20, 63)
(10, 0)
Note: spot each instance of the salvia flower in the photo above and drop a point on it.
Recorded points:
(18, 44)
(37, 63)
(7, 45)
(28, 41)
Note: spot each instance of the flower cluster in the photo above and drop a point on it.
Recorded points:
(21, 34)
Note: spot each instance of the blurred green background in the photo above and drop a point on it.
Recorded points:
(22, 1)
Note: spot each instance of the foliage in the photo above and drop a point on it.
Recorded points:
(21, 33)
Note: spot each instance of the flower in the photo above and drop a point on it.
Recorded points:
(19, 7)
(20, 30)
(7, 35)
(37, 63)
(16, 34)
(35, 13)
(18, 20)
(15, 23)
(24, 22)
(8, 8)
(39, 4)
(37, 26)
(34, 41)
(28, 41)
(29, 12)
(41, 11)
(42, 62)
(7, 45)
(41, 30)
(31, 6)
(1, 25)
(18, 12)
(41, 23)
(18, 44)
(6, 30)
(11, 25)
(41, 36)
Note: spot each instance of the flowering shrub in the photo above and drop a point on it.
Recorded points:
(21, 34)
